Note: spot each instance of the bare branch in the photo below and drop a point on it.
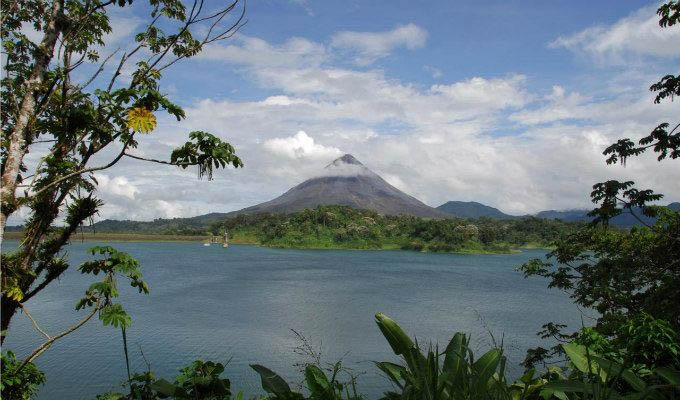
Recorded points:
(35, 324)
(99, 71)
(158, 161)
(49, 342)
(227, 33)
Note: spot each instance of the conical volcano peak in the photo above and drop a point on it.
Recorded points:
(345, 166)
(346, 159)
(346, 181)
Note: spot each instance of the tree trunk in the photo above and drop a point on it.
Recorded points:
(9, 307)
(19, 139)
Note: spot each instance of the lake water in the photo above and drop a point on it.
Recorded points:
(241, 303)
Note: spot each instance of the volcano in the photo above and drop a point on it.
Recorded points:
(346, 181)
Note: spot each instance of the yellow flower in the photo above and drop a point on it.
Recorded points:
(141, 120)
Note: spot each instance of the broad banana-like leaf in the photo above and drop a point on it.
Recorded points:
(316, 380)
(549, 393)
(582, 359)
(616, 369)
(567, 386)
(672, 377)
(271, 382)
(393, 371)
(485, 367)
(454, 358)
(396, 337)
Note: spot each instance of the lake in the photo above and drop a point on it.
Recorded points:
(241, 303)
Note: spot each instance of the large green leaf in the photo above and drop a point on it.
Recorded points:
(396, 337)
(316, 380)
(616, 369)
(485, 367)
(271, 382)
(672, 377)
(164, 388)
(582, 358)
(567, 386)
(393, 371)
(454, 358)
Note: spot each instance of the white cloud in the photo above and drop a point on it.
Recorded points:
(487, 139)
(300, 146)
(435, 72)
(637, 34)
(118, 186)
(255, 52)
(492, 93)
(368, 47)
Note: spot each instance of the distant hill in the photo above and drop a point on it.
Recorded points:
(625, 220)
(178, 225)
(472, 209)
(347, 182)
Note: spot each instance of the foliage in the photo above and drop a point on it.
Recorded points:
(616, 197)
(21, 386)
(346, 227)
(595, 377)
(631, 278)
(198, 380)
(115, 263)
(58, 103)
(455, 373)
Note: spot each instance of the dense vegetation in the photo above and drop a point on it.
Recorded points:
(348, 228)
(630, 277)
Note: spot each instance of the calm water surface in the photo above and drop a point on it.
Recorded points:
(241, 303)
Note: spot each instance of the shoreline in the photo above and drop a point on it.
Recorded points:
(158, 238)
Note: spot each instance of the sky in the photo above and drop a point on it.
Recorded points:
(509, 104)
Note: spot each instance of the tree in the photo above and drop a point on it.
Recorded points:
(43, 102)
(624, 275)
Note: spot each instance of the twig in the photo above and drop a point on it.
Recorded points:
(158, 161)
(49, 342)
(35, 324)
(101, 68)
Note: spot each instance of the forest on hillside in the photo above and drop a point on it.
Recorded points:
(349, 228)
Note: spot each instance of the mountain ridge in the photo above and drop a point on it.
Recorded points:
(473, 209)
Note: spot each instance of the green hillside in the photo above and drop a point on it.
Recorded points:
(347, 228)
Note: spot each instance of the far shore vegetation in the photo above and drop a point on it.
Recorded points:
(342, 227)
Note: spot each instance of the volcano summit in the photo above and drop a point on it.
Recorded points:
(346, 181)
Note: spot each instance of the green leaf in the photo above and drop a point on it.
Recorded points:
(454, 359)
(316, 380)
(615, 369)
(271, 382)
(164, 387)
(672, 377)
(115, 315)
(566, 386)
(393, 371)
(485, 368)
(396, 337)
(583, 361)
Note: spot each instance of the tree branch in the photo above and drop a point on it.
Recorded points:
(35, 324)
(158, 161)
(83, 171)
(49, 342)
